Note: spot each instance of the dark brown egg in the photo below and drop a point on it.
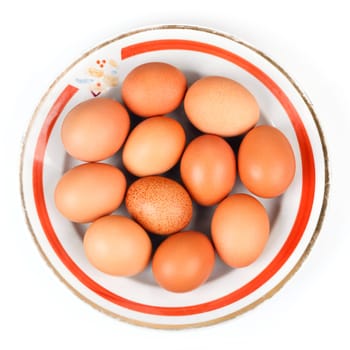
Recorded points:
(159, 204)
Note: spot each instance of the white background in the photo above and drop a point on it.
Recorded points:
(309, 39)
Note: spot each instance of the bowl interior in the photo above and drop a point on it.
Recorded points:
(271, 112)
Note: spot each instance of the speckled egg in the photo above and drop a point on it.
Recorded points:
(159, 204)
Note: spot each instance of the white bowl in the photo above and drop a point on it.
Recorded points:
(296, 216)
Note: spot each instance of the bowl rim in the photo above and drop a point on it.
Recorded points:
(309, 246)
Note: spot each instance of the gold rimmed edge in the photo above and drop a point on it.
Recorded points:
(266, 296)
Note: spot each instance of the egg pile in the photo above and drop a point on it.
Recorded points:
(219, 109)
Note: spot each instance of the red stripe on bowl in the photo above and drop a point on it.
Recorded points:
(308, 185)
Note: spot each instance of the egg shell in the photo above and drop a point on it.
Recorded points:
(159, 204)
(183, 261)
(153, 88)
(89, 191)
(208, 169)
(240, 229)
(154, 146)
(221, 106)
(95, 129)
(266, 161)
(117, 245)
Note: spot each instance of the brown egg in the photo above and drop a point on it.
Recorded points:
(183, 261)
(266, 162)
(89, 191)
(240, 229)
(159, 204)
(154, 88)
(117, 245)
(221, 106)
(154, 146)
(208, 169)
(95, 129)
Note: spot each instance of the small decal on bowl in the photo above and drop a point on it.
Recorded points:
(99, 76)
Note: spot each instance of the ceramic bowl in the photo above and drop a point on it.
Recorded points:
(296, 216)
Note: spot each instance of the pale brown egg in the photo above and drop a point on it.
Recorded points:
(266, 161)
(240, 229)
(89, 191)
(154, 88)
(117, 245)
(159, 204)
(154, 146)
(183, 261)
(208, 169)
(221, 106)
(95, 129)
